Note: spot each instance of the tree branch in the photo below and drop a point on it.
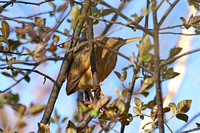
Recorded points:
(157, 73)
(124, 17)
(18, 81)
(24, 2)
(177, 57)
(64, 68)
(122, 5)
(167, 13)
(29, 70)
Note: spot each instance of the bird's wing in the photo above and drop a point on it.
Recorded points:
(80, 65)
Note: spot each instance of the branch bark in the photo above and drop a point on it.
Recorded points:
(64, 68)
(157, 73)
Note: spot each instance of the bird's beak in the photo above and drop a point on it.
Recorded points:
(125, 41)
(131, 40)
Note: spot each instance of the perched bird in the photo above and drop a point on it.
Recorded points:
(80, 75)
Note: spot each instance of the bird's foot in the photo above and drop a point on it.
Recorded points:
(93, 89)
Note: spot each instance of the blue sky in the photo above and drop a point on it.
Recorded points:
(65, 105)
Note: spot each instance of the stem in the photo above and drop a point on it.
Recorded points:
(157, 73)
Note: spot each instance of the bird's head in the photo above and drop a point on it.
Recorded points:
(116, 43)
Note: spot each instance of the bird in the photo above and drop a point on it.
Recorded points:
(80, 75)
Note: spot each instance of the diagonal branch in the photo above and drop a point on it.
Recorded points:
(122, 5)
(167, 13)
(18, 81)
(177, 57)
(124, 17)
(64, 68)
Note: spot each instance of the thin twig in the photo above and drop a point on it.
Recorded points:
(18, 81)
(172, 33)
(112, 22)
(167, 13)
(177, 57)
(29, 23)
(191, 130)
(168, 127)
(31, 15)
(29, 70)
(24, 2)
(124, 17)
(10, 52)
(122, 5)
(185, 125)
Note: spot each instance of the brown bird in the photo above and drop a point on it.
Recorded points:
(80, 75)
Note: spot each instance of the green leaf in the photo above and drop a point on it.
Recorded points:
(64, 119)
(145, 93)
(148, 83)
(13, 44)
(138, 102)
(82, 107)
(198, 125)
(144, 107)
(172, 107)
(119, 93)
(123, 76)
(142, 117)
(27, 78)
(147, 57)
(95, 12)
(153, 113)
(6, 74)
(94, 111)
(75, 12)
(183, 106)
(52, 120)
(169, 74)
(56, 39)
(2, 39)
(136, 110)
(183, 117)
(183, 20)
(121, 106)
(35, 109)
(40, 21)
(5, 29)
(145, 11)
(174, 51)
(57, 117)
(117, 74)
(60, 8)
(89, 129)
(106, 12)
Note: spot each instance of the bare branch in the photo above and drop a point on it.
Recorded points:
(157, 73)
(122, 5)
(167, 13)
(18, 81)
(29, 70)
(24, 2)
(124, 17)
(177, 57)
(113, 22)
(64, 68)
